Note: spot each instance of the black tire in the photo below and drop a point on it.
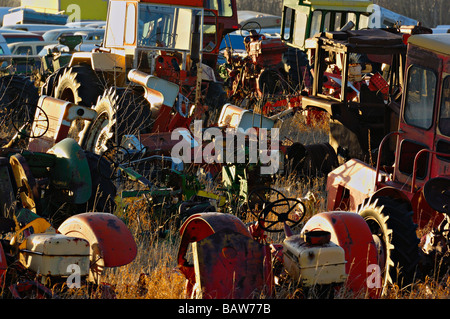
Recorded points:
(119, 112)
(271, 82)
(293, 59)
(18, 100)
(392, 226)
(79, 84)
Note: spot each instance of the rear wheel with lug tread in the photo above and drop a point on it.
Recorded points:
(394, 234)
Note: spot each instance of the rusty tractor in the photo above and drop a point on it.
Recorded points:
(223, 258)
(302, 20)
(40, 261)
(412, 191)
(44, 204)
(378, 207)
(55, 117)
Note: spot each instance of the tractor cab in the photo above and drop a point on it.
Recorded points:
(302, 19)
(165, 39)
(153, 37)
(423, 136)
(421, 140)
(423, 143)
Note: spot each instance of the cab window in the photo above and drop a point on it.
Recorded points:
(444, 113)
(315, 23)
(130, 27)
(223, 7)
(420, 95)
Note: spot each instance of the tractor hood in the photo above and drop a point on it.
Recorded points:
(71, 171)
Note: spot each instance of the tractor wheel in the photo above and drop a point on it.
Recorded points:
(119, 112)
(394, 234)
(79, 84)
(48, 88)
(18, 100)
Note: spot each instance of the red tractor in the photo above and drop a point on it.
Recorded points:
(413, 191)
(176, 41)
(262, 72)
(221, 257)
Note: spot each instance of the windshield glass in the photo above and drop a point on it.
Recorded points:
(420, 94)
(163, 26)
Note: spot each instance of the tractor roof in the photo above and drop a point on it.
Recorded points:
(436, 42)
(350, 5)
(374, 41)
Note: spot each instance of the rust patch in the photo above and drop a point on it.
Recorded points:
(112, 224)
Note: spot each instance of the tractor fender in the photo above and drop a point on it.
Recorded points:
(71, 170)
(212, 223)
(225, 253)
(350, 231)
(202, 225)
(111, 242)
(81, 58)
(391, 192)
(355, 176)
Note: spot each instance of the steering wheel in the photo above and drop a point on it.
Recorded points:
(116, 156)
(22, 117)
(249, 26)
(285, 211)
(259, 198)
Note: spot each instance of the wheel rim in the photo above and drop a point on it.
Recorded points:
(99, 135)
(378, 236)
